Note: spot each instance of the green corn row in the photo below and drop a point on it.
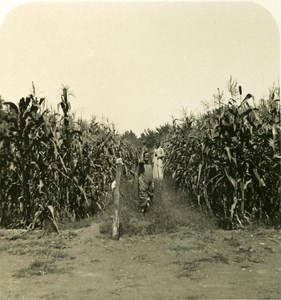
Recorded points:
(50, 159)
(229, 160)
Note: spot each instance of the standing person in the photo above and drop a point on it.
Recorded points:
(146, 185)
(158, 156)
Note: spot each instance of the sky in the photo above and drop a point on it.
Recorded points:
(137, 63)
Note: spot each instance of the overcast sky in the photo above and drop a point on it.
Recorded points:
(137, 63)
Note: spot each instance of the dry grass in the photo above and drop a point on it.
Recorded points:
(39, 268)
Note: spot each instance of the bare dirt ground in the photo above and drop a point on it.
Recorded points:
(186, 264)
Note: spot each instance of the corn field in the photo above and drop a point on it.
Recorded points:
(54, 165)
(228, 159)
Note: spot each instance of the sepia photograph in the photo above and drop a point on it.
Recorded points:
(140, 149)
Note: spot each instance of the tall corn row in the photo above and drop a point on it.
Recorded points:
(48, 159)
(229, 160)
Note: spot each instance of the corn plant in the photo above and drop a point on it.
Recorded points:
(26, 143)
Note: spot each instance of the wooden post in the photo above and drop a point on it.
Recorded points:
(116, 200)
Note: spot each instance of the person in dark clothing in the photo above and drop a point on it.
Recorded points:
(145, 182)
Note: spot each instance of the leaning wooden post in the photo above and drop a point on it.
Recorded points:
(116, 200)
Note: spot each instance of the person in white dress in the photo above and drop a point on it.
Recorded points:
(158, 156)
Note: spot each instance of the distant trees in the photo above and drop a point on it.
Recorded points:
(149, 137)
(131, 137)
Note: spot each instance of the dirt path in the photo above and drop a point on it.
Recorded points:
(188, 264)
